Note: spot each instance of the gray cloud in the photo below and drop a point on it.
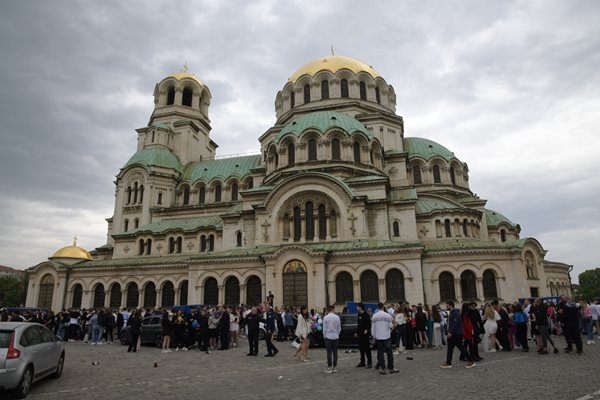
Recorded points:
(510, 87)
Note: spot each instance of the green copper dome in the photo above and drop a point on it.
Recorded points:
(155, 157)
(494, 218)
(322, 121)
(427, 149)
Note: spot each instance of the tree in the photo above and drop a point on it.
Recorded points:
(12, 290)
(589, 284)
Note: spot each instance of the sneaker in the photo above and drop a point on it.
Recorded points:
(177, 349)
(555, 351)
(165, 351)
(446, 365)
(589, 342)
(369, 366)
(394, 371)
(334, 370)
(382, 371)
(185, 349)
(329, 371)
(360, 365)
(470, 365)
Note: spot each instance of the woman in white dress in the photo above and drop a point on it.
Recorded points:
(491, 327)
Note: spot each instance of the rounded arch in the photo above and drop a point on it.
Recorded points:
(394, 286)
(490, 287)
(167, 294)
(99, 295)
(132, 295)
(344, 287)
(468, 285)
(149, 294)
(369, 286)
(115, 295)
(253, 290)
(232, 290)
(446, 286)
(211, 291)
(183, 292)
(77, 295)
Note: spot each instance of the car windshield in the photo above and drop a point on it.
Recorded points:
(4, 339)
(349, 320)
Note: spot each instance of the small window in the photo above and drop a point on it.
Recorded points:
(312, 150)
(234, 192)
(211, 242)
(417, 175)
(148, 247)
(153, 134)
(291, 154)
(218, 194)
(297, 224)
(324, 90)
(186, 99)
(344, 87)
(292, 99)
(452, 176)
(159, 198)
(396, 228)
(335, 149)
(447, 228)
(322, 222)
(186, 196)
(503, 235)
(238, 239)
(356, 152)
(534, 292)
(310, 221)
(141, 193)
(465, 225)
(135, 192)
(377, 96)
(436, 174)
(179, 244)
(202, 195)
(171, 245)
(141, 247)
(306, 94)
(136, 223)
(363, 91)
(128, 194)
(171, 96)
(126, 225)
(202, 243)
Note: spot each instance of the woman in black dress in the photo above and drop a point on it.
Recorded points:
(167, 332)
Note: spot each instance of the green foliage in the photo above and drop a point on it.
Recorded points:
(589, 284)
(12, 290)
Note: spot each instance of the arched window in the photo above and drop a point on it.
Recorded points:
(202, 195)
(168, 295)
(249, 183)
(141, 247)
(135, 192)
(286, 226)
(153, 134)
(115, 296)
(77, 296)
(333, 223)
(297, 224)
(211, 292)
(218, 194)
(98, 296)
(503, 235)
(322, 222)
(310, 221)
(447, 228)
(171, 96)
(133, 295)
(171, 245)
(128, 194)
(238, 239)
(211, 242)
(232, 291)
(291, 154)
(468, 286)
(335, 149)
(344, 87)
(186, 99)
(46, 291)
(126, 225)
(344, 288)
(292, 99)
(136, 223)
(369, 287)
(159, 199)
(363, 91)
(436, 174)
(490, 291)
(183, 293)
(234, 191)
(312, 150)
(306, 94)
(202, 243)
(452, 176)
(394, 286)
(179, 244)
(150, 295)
(141, 193)
(324, 90)
(396, 228)
(186, 196)
(438, 229)
(148, 247)
(465, 229)
(356, 152)
(530, 265)
(377, 96)
(253, 291)
(417, 174)
(447, 287)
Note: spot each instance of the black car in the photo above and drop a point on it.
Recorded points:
(349, 323)
(152, 332)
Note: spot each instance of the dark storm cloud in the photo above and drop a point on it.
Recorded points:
(510, 87)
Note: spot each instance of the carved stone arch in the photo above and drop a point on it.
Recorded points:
(209, 274)
(78, 281)
(336, 133)
(346, 74)
(323, 75)
(167, 83)
(215, 182)
(494, 267)
(366, 78)
(444, 268)
(149, 280)
(308, 134)
(397, 265)
(189, 83)
(303, 81)
(135, 175)
(360, 137)
(338, 269)
(250, 273)
(198, 184)
(372, 267)
(469, 267)
(231, 180)
(92, 285)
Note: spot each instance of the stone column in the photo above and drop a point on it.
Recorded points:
(479, 283)
(457, 290)
(356, 284)
(221, 297)
(123, 298)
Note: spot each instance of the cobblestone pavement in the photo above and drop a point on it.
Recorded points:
(229, 374)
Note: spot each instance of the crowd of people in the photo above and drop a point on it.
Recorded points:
(388, 329)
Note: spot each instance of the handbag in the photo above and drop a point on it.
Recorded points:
(296, 343)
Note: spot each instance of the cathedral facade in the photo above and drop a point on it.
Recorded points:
(338, 206)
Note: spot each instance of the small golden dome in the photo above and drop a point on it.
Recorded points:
(185, 74)
(72, 251)
(333, 64)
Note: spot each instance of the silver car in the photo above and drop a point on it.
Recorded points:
(28, 353)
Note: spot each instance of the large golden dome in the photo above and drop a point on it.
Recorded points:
(185, 74)
(73, 251)
(333, 64)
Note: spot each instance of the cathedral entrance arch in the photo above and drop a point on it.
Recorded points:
(295, 285)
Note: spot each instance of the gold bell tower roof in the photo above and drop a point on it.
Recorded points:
(73, 251)
(333, 64)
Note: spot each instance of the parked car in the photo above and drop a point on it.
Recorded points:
(28, 352)
(349, 323)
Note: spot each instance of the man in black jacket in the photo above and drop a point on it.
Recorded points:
(477, 322)
(224, 326)
(253, 321)
(203, 331)
(363, 331)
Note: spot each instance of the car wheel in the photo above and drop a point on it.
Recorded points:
(59, 366)
(25, 383)
(158, 340)
(123, 338)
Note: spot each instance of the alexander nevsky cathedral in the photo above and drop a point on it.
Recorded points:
(338, 206)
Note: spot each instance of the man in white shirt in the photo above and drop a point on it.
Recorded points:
(332, 327)
(382, 324)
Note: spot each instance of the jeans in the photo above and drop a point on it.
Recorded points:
(365, 349)
(253, 341)
(456, 341)
(271, 349)
(332, 354)
(545, 335)
(521, 335)
(587, 325)
(95, 334)
(400, 332)
(385, 347)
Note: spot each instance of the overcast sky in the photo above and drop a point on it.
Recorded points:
(511, 87)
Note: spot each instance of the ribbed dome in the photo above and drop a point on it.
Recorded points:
(72, 252)
(426, 149)
(333, 64)
(185, 74)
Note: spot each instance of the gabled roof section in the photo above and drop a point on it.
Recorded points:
(426, 149)
(428, 205)
(322, 121)
(207, 170)
(155, 156)
(494, 218)
(177, 224)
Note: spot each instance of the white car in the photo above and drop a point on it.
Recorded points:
(28, 352)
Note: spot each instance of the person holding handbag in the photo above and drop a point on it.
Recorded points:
(302, 331)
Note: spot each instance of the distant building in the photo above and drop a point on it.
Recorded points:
(10, 271)
(338, 206)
